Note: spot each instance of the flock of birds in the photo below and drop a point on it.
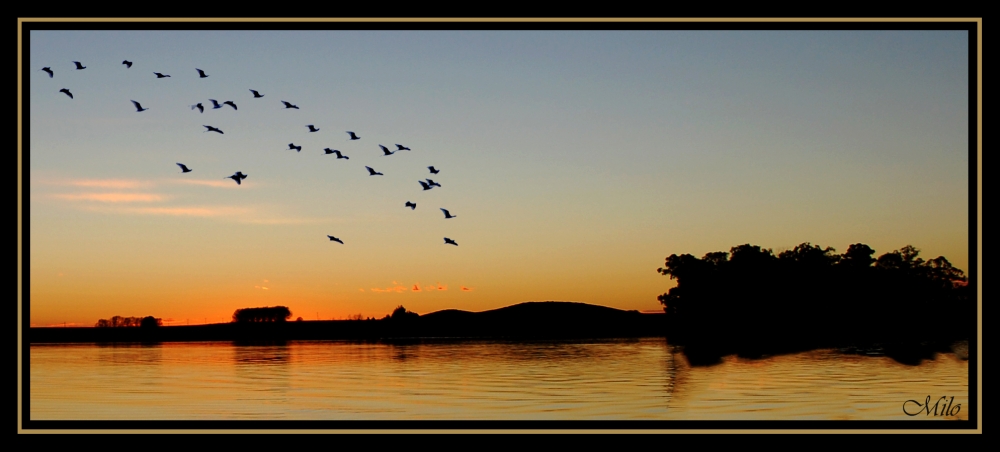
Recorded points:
(426, 184)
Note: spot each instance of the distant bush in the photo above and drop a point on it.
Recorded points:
(267, 314)
(400, 313)
(119, 322)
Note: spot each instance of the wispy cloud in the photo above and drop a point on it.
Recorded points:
(110, 183)
(221, 183)
(288, 220)
(212, 211)
(111, 197)
(397, 289)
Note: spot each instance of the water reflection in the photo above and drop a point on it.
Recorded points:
(635, 379)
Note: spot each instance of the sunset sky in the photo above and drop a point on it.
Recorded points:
(575, 162)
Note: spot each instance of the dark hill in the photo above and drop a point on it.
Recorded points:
(547, 319)
(532, 320)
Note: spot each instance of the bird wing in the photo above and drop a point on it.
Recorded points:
(182, 166)
(137, 106)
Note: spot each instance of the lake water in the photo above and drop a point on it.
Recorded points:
(627, 379)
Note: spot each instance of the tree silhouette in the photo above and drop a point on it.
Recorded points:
(266, 314)
(124, 322)
(811, 296)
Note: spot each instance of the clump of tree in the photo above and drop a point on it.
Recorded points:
(119, 321)
(267, 314)
(400, 313)
(811, 296)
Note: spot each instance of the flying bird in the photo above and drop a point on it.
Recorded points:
(353, 136)
(411, 205)
(386, 150)
(79, 66)
(138, 107)
(293, 146)
(239, 176)
(334, 239)
(334, 151)
(49, 70)
(433, 171)
(448, 241)
(199, 106)
(289, 105)
(212, 129)
(159, 75)
(432, 183)
(424, 184)
(184, 168)
(64, 90)
(400, 147)
(372, 172)
(256, 95)
(215, 103)
(312, 129)
(447, 214)
(127, 64)
(230, 103)
(201, 73)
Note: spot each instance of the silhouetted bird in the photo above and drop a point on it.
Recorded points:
(159, 75)
(447, 214)
(411, 205)
(230, 103)
(215, 103)
(184, 168)
(424, 184)
(199, 106)
(138, 107)
(353, 136)
(212, 129)
(293, 146)
(334, 239)
(400, 147)
(372, 172)
(201, 73)
(312, 129)
(49, 70)
(448, 241)
(386, 150)
(334, 151)
(239, 176)
(127, 63)
(256, 95)
(64, 90)
(433, 171)
(289, 105)
(79, 66)
(432, 183)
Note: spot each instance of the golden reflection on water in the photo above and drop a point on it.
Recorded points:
(627, 379)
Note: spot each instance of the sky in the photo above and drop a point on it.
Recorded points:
(574, 163)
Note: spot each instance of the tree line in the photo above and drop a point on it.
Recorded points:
(811, 296)
(119, 321)
(267, 314)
